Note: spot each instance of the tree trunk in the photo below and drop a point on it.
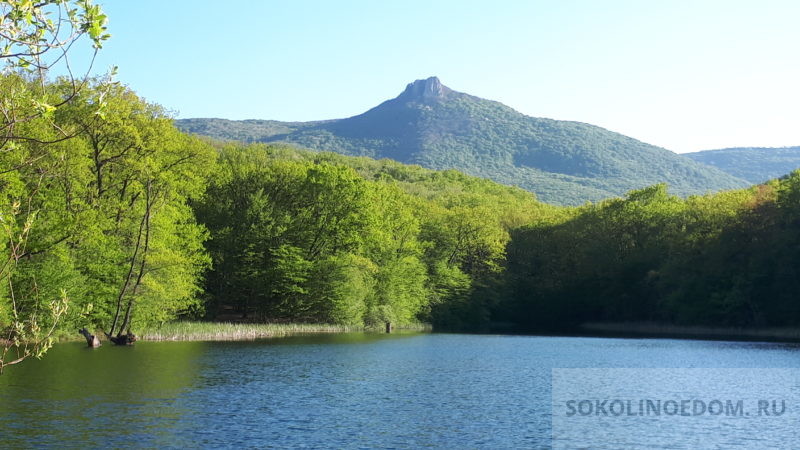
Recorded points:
(144, 226)
(91, 340)
(126, 323)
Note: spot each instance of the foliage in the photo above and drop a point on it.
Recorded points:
(112, 227)
(35, 37)
(29, 326)
(729, 259)
(319, 237)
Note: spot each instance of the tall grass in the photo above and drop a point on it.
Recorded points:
(226, 331)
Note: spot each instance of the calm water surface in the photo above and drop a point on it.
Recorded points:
(335, 391)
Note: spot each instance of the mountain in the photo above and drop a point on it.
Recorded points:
(754, 164)
(436, 127)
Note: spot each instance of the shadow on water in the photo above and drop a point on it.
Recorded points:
(75, 393)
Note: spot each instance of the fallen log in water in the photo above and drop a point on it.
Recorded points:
(123, 339)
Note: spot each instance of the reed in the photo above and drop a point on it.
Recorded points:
(227, 331)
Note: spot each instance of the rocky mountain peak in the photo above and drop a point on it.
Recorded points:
(425, 90)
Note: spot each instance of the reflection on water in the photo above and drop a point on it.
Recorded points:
(81, 396)
(345, 390)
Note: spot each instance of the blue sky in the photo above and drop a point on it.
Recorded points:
(685, 75)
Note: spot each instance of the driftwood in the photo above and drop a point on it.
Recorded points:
(91, 340)
(123, 339)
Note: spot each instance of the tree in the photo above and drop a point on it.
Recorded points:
(34, 37)
(141, 245)
(113, 223)
(341, 288)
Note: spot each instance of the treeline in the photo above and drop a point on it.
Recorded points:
(730, 259)
(320, 237)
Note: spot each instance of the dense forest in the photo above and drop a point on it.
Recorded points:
(429, 124)
(307, 236)
(730, 259)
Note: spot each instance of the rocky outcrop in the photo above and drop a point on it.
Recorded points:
(425, 90)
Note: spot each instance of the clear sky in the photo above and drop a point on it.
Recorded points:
(682, 74)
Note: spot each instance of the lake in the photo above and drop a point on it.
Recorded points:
(338, 391)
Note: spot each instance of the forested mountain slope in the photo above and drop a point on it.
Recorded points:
(754, 164)
(436, 127)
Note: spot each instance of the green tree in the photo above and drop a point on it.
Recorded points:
(34, 38)
(113, 225)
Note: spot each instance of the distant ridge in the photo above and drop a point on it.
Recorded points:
(439, 128)
(754, 164)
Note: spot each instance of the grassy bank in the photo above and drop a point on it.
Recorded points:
(226, 331)
(648, 329)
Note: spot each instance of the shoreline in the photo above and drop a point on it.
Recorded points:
(236, 331)
(698, 332)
